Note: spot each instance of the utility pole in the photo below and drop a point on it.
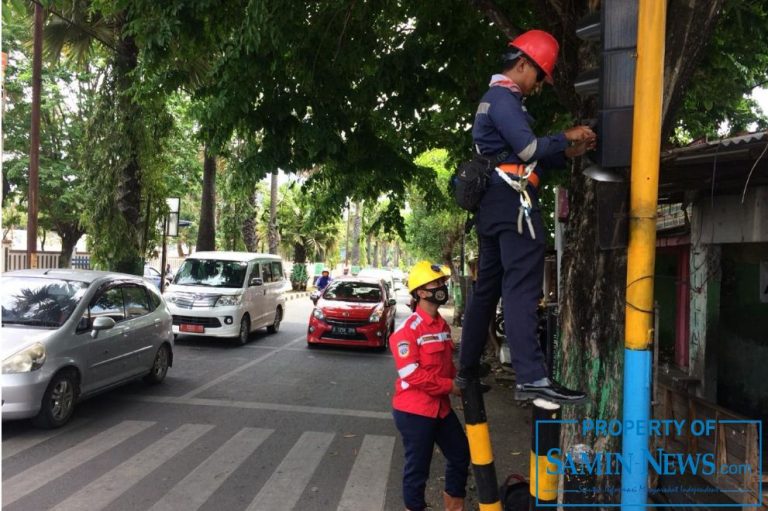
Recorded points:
(641, 253)
(34, 139)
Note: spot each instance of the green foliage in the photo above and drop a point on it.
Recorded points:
(734, 63)
(299, 276)
(306, 230)
(126, 159)
(435, 225)
(67, 98)
(351, 91)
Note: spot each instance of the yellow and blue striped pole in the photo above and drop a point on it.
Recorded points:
(480, 451)
(641, 253)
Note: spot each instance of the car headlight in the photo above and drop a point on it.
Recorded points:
(376, 316)
(28, 359)
(228, 300)
(318, 313)
(170, 297)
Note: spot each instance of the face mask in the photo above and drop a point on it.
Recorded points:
(439, 295)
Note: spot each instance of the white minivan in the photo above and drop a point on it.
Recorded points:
(227, 294)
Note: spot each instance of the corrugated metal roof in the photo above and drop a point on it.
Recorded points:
(721, 166)
(712, 145)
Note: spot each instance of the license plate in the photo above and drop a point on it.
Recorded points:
(196, 329)
(344, 330)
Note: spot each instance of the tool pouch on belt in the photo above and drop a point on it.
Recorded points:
(470, 179)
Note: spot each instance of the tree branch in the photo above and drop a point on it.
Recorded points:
(493, 12)
(689, 28)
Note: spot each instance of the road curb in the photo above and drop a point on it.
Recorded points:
(293, 296)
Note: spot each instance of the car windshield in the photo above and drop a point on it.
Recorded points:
(353, 292)
(35, 301)
(212, 273)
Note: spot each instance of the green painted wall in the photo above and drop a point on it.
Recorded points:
(742, 367)
(664, 295)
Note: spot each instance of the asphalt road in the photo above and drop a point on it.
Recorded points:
(269, 426)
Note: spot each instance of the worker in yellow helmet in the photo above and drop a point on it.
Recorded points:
(423, 354)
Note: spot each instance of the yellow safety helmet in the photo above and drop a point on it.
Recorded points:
(422, 273)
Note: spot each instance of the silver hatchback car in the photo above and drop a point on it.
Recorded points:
(68, 334)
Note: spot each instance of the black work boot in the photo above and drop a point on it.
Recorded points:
(550, 390)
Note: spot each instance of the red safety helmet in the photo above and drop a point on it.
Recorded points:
(540, 47)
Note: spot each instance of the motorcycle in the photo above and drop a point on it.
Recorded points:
(504, 354)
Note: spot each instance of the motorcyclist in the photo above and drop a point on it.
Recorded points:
(323, 281)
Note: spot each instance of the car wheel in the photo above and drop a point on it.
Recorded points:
(274, 327)
(245, 330)
(385, 341)
(498, 325)
(159, 366)
(58, 401)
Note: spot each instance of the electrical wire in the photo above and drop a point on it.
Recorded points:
(746, 184)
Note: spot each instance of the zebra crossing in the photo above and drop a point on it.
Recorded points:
(364, 489)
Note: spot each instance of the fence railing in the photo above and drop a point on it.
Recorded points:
(17, 259)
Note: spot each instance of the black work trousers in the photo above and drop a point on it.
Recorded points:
(511, 265)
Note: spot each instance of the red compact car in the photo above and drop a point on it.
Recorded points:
(353, 312)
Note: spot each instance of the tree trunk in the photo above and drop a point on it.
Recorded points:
(369, 247)
(130, 184)
(356, 228)
(384, 253)
(206, 233)
(272, 233)
(250, 238)
(69, 238)
(592, 321)
(299, 253)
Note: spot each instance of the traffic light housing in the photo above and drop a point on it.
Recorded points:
(614, 26)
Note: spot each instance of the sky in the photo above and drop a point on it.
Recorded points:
(761, 96)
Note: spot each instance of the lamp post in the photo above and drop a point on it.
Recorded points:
(170, 228)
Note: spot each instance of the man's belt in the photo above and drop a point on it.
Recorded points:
(518, 170)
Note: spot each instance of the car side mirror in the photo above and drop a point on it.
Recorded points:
(314, 296)
(256, 281)
(391, 302)
(101, 323)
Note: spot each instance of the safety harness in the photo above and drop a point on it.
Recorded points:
(520, 185)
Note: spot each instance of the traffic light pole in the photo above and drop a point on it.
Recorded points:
(649, 81)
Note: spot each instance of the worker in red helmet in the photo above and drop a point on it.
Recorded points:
(508, 220)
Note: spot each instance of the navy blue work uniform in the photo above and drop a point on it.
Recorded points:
(511, 263)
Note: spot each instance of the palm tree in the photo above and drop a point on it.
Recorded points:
(273, 233)
(73, 32)
(206, 234)
(250, 236)
(304, 230)
(357, 227)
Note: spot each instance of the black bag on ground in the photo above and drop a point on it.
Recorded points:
(470, 179)
(515, 493)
